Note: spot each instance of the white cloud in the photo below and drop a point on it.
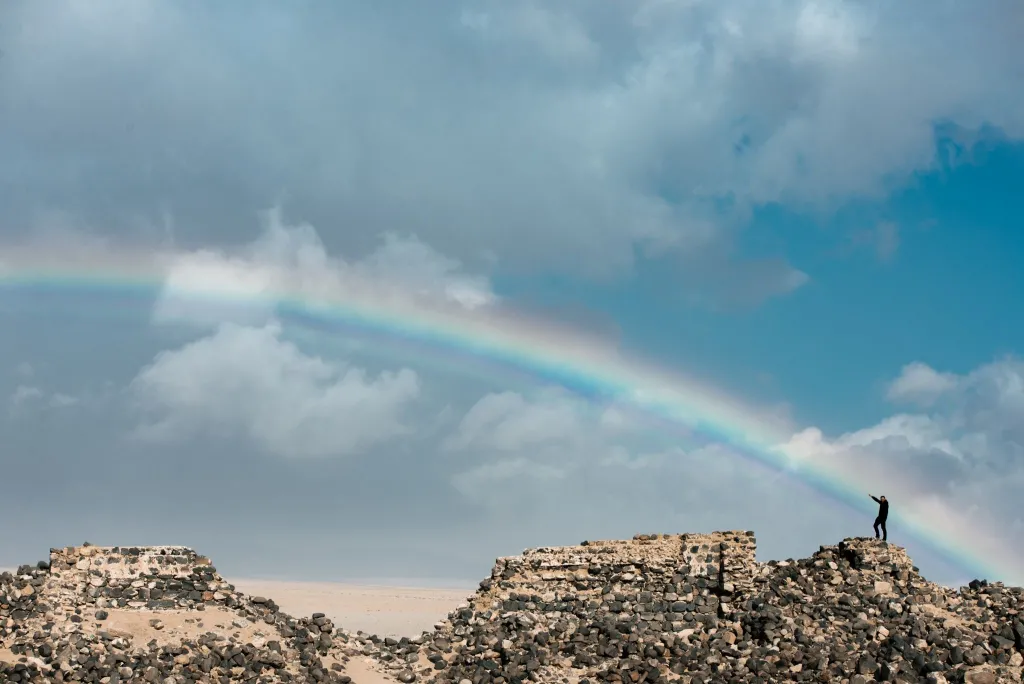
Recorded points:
(248, 381)
(550, 418)
(61, 400)
(244, 285)
(508, 422)
(559, 35)
(24, 394)
(26, 397)
(411, 264)
(558, 462)
(958, 467)
(478, 483)
(920, 384)
(208, 288)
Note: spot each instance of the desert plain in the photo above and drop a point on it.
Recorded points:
(387, 611)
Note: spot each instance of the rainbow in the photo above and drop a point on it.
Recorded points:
(499, 338)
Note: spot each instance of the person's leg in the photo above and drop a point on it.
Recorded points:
(877, 521)
(885, 533)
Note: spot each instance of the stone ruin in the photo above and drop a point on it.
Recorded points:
(691, 608)
(70, 619)
(720, 565)
(150, 577)
(699, 608)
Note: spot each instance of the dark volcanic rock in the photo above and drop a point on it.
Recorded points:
(42, 626)
(655, 609)
(698, 608)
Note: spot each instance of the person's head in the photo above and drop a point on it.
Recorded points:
(881, 498)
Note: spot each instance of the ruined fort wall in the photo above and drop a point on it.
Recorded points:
(660, 582)
(152, 577)
(591, 599)
(723, 561)
(126, 561)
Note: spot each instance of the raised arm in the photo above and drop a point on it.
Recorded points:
(875, 498)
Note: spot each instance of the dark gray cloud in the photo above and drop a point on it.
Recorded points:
(545, 137)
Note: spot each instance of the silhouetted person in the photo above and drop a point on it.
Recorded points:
(883, 513)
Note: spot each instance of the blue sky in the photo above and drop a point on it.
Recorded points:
(811, 205)
(941, 295)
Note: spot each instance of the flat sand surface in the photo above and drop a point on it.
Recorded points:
(380, 610)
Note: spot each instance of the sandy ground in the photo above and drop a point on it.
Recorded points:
(381, 610)
(176, 625)
(170, 626)
(385, 611)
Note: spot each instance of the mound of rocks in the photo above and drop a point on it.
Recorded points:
(698, 608)
(693, 608)
(151, 614)
(19, 597)
(154, 577)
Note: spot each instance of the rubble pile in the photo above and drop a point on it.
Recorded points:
(692, 608)
(698, 609)
(151, 614)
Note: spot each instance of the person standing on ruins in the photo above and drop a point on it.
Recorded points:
(883, 513)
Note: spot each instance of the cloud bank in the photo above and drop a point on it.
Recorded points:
(249, 381)
(564, 138)
(244, 284)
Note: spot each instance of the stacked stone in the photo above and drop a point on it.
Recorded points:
(616, 610)
(81, 583)
(139, 577)
(699, 609)
(112, 657)
(684, 608)
(19, 599)
(860, 612)
(739, 564)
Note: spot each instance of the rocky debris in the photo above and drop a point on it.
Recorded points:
(55, 617)
(19, 599)
(697, 609)
(404, 659)
(138, 577)
(654, 609)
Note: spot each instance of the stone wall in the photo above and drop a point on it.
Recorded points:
(152, 577)
(727, 560)
(19, 599)
(574, 606)
(722, 562)
(69, 620)
(865, 553)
